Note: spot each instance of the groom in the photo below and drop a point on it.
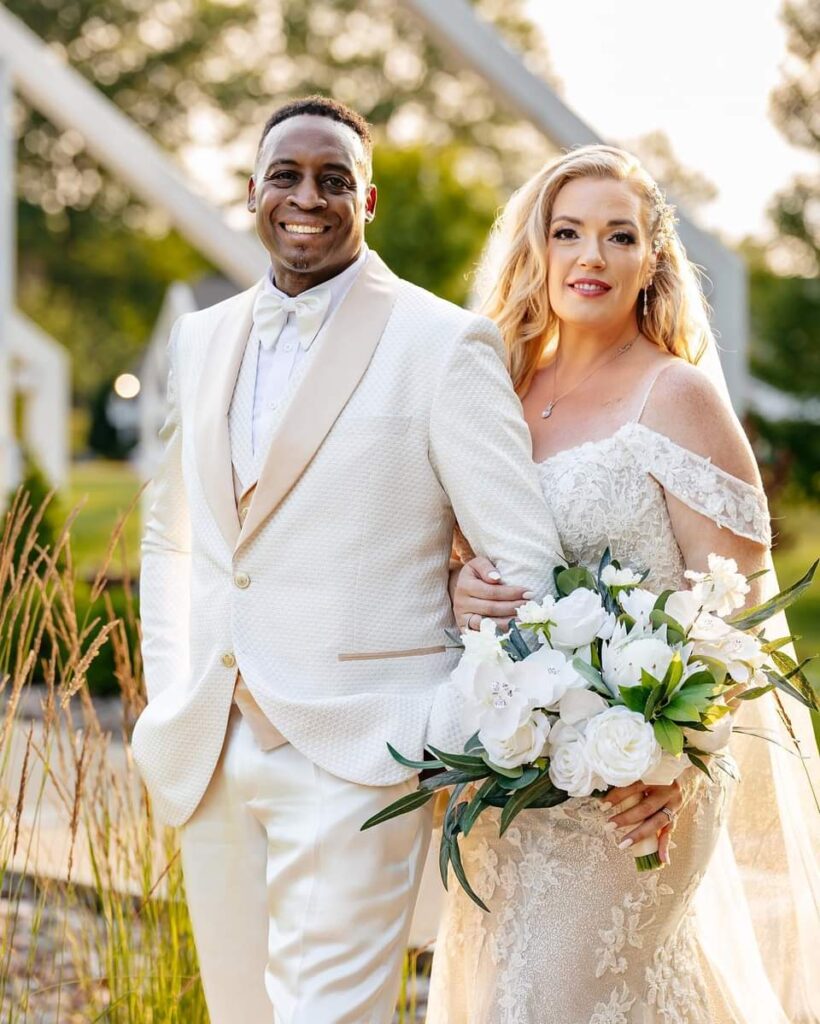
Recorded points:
(326, 429)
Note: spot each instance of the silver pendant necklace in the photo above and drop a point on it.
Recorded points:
(619, 351)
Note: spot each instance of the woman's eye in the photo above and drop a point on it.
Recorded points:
(624, 238)
(564, 233)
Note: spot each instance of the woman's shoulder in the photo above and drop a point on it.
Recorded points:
(686, 406)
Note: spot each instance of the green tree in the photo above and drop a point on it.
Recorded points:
(201, 78)
(433, 218)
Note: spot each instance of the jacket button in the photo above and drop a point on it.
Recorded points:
(243, 512)
(228, 660)
(242, 580)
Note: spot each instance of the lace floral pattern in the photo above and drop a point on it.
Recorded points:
(575, 935)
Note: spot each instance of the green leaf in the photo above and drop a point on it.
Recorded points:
(606, 559)
(680, 710)
(674, 630)
(473, 743)
(458, 871)
(477, 805)
(444, 860)
(757, 575)
(727, 766)
(574, 579)
(454, 637)
(405, 804)
(528, 776)
(751, 617)
(775, 645)
(669, 736)
(466, 762)
(455, 777)
(508, 773)
(635, 697)
(717, 669)
(518, 643)
(797, 693)
(699, 763)
(660, 604)
(523, 799)
(655, 697)
(761, 735)
(673, 675)
(592, 675)
(794, 673)
(421, 766)
(714, 713)
(755, 692)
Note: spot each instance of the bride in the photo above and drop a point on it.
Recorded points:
(638, 449)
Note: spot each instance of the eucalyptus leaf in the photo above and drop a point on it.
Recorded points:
(473, 743)
(477, 805)
(421, 766)
(574, 578)
(409, 802)
(518, 642)
(444, 861)
(509, 773)
(454, 777)
(458, 871)
(751, 617)
(523, 799)
(592, 675)
(528, 776)
(466, 762)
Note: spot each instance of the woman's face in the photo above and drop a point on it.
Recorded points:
(599, 253)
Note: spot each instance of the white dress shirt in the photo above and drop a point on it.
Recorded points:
(275, 366)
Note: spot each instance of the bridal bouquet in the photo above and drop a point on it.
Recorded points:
(606, 685)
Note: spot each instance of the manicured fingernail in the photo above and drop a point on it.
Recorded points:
(528, 595)
(610, 826)
(625, 844)
(605, 805)
(494, 575)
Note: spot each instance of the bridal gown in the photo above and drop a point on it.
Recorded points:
(576, 935)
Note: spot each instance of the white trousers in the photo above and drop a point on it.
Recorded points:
(292, 906)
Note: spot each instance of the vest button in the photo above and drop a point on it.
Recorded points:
(242, 580)
(228, 660)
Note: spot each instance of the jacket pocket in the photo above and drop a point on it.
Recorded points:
(411, 652)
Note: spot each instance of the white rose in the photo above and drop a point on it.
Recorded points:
(483, 644)
(612, 577)
(549, 674)
(535, 613)
(638, 604)
(667, 769)
(577, 706)
(569, 768)
(683, 607)
(577, 620)
(523, 746)
(713, 741)
(620, 746)
(723, 588)
(623, 658)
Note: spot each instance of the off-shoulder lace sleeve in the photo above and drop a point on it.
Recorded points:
(725, 499)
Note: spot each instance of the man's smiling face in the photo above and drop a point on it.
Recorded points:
(311, 198)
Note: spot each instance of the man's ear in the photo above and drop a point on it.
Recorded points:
(370, 203)
(252, 194)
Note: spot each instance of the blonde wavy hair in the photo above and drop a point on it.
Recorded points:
(515, 265)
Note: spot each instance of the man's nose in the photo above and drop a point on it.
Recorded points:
(307, 195)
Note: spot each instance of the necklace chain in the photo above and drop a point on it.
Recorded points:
(619, 351)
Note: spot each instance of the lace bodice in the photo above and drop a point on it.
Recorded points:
(575, 934)
(611, 493)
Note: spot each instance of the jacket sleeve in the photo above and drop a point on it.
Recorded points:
(166, 556)
(481, 450)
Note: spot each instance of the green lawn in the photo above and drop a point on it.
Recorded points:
(104, 490)
(799, 526)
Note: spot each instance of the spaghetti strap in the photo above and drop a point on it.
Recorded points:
(664, 366)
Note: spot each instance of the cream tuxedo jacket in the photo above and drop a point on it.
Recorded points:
(331, 597)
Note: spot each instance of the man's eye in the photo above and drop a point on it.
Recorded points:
(280, 176)
(336, 182)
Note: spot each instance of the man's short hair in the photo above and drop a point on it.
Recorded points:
(322, 106)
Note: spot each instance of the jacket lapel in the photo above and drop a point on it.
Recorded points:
(344, 348)
(211, 429)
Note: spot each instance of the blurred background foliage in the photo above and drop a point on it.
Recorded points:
(201, 76)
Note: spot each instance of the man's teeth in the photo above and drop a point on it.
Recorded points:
(303, 229)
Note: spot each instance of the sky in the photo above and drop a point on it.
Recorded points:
(701, 72)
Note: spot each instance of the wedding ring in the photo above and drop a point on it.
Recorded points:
(670, 814)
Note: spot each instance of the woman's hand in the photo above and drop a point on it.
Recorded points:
(646, 815)
(479, 594)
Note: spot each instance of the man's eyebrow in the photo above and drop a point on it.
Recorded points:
(284, 161)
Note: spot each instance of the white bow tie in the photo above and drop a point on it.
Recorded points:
(271, 311)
